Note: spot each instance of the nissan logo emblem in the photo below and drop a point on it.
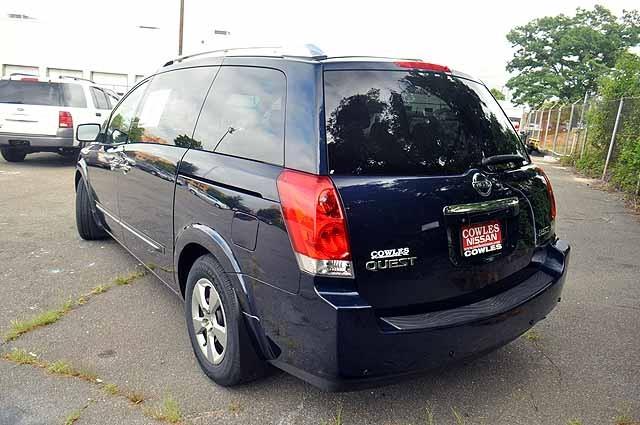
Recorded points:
(481, 184)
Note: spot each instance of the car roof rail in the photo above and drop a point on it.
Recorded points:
(23, 74)
(373, 57)
(76, 78)
(307, 51)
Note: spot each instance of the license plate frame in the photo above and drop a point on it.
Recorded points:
(481, 238)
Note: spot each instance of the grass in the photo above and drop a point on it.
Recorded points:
(429, 417)
(73, 417)
(100, 289)
(135, 397)
(111, 389)
(61, 367)
(168, 411)
(234, 407)
(21, 357)
(21, 327)
(532, 335)
(130, 278)
(457, 417)
(574, 422)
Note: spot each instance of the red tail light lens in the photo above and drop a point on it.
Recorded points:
(316, 223)
(65, 120)
(424, 65)
(552, 198)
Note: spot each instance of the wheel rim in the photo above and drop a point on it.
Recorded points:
(209, 321)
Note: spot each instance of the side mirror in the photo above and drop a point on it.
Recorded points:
(87, 132)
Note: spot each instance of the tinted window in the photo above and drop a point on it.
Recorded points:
(411, 123)
(99, 98)
(41, 93)
(244, 114)
(171, 106)
(73, 96)
(122, 116)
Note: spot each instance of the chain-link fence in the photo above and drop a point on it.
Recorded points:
(600, 137)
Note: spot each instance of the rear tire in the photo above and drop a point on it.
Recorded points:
(228, 357)
(13, 155)
(88, 228)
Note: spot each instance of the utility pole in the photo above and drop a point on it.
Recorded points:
(181, 27)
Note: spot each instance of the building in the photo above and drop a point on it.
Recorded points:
(116, 56)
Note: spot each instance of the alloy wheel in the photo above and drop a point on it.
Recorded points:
(209, 321)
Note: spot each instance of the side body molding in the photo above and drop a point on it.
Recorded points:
(218, 246)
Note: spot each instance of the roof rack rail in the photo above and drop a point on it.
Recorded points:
(77, 78)
(308, 51)
(22, 74)
(373, 57)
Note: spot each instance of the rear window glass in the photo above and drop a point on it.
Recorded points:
(411, 123)
(42, 93)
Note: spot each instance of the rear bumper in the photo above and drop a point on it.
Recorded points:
(354, 348)
(34, 142)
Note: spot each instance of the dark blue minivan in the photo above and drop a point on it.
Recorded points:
(350, 220)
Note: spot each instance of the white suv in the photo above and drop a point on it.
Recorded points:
(40, 115)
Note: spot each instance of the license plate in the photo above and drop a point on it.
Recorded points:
(481, 238)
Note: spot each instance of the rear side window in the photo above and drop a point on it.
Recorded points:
(73, 96)
(42, 93)
(243, 115)
(411, 123)
(99, 98)
(171, 106)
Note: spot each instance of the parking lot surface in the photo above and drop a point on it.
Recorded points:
(582, 363)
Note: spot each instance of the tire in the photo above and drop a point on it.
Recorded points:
(235, 360)
(13, 155)
(88, 228)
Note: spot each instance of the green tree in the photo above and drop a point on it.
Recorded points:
(497, 94)
(622, 81)
(563, 57)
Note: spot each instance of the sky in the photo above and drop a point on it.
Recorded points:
(465, 35)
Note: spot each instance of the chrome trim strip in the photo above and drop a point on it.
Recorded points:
(480, 207)
(156, 246)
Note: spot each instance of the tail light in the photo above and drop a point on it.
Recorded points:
(316, 223)
(65, 120)
(424, 65)
(552, 198)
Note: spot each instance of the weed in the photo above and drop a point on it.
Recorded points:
(128, 279)
(73, 417)
(168, 411)
(82, 300)
(457, 416)
(100, 289)
(111, 389)
(135, 397)
(532, 335)
(429, 417)
(20, 327)
(61, 367)
(20, 356)
(234, 407)
(574, 422)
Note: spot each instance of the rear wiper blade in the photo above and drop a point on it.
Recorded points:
(503, 159)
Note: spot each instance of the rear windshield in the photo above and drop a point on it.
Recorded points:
(411, 123)
(42, 93)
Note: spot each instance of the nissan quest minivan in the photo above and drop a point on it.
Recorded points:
(349, 220)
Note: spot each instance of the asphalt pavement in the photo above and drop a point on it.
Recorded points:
(582, 363)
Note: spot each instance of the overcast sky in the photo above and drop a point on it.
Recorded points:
(466, 35)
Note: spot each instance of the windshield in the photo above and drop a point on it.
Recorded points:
(411, 123)
(42, 93)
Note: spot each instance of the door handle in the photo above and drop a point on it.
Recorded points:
(98, 114)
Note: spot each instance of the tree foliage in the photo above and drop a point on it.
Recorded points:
(562, 57)
(497, 94)
(623, 81)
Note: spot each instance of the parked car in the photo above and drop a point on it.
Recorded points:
(40, 114)
(349, 220)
